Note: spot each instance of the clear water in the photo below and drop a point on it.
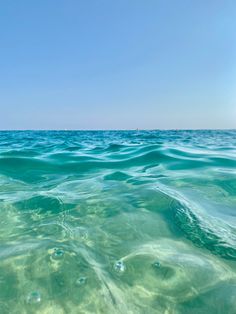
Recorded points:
(118, 222)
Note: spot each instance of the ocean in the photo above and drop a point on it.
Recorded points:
(118, 222)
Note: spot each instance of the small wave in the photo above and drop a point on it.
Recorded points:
(41, 203)
(204, 231)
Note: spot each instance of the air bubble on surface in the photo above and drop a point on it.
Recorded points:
(119, 267)
(33, 297)
(81, 281)
(58, 253)
(156, 264)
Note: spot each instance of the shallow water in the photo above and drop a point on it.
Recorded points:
(118, 222)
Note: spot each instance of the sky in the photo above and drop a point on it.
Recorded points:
(125, 64)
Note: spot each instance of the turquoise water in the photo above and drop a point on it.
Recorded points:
(118, 222)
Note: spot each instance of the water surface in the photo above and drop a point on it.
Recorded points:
(118, 222)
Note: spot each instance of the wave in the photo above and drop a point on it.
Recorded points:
(202, 229)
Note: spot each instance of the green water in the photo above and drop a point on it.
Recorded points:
(118, 222)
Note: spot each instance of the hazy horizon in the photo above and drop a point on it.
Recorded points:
(84, 130)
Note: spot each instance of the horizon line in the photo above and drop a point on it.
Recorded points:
(137, 129)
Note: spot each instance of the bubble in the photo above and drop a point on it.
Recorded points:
(33, 297)
(81, 281)
(156, 264)
(119, 267)
(58, 253)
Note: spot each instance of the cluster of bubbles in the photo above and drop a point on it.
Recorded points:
(58, 253)
(34, 297)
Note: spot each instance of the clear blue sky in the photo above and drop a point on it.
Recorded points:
(106, 64)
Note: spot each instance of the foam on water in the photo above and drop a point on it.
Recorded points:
(118, 222)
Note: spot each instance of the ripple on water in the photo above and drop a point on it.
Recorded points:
(42, 204)
(203, 230)
(178, 273)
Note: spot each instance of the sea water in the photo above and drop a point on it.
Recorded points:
(118, 222)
